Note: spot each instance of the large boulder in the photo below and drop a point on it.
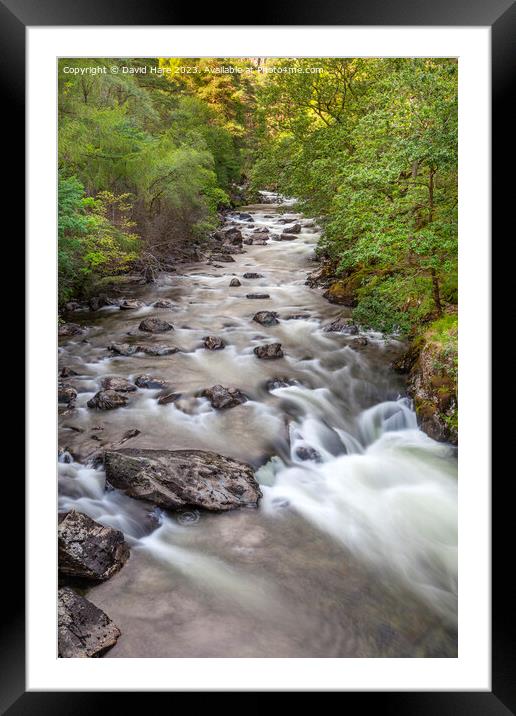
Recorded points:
(341, 325)
(69, 329)
(83, 629)
(155, 325)
(88, 550)
(269, 351)
(221, 397)
(233, 236)
(213, 343)
(122, 385)
(266, 318)
(175, 479)
(107, 400)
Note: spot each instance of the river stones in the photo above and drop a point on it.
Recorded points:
(130, 304)
(223, 258)
(248, 241)
(157, 350)
(269, 351)
(245, 217)
(278, 382)
(341, 325)
(359, 342)
(149, 382)
(122, 385)
(257, 295)
(233, 236)
(155, 325)
(168, 398)
(87, 549)
(107, 400)
(266, 318)
(163, 303)
(66, 393)
(83, 629)
(183, 478)
(234, 282)
(285, 237)
(97, 302)
(260, 242)
(213, 343)
(123, 349)
(67, 372)
(307, 453)
(222, 398)
(70, 329)
(261, 230)
(252, 274)
(295, 229)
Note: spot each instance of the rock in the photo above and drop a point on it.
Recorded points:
(222, 398)
(67, 372)
(234, 282)
(257, 295)
(245, 217)
(163, 303)
(87, 549)
(70, 329)
(322, 276)
(285, 237)
(155, 325)
(360, 342)
(213, 343)
(72, 306)
(261, 230)
(269, 351)
(157, 350)
(248, 241)
(183, 478)
(66, 393)
(308, 453)
(260, 242)
(342, 293)
(223, 258)
(275, 383)
(234, 236)
(97, 302)
(130, 304)
(123, 349)
(229, 249)
(83, 629)
(296, 229)
(115, 383)
(168, 398)
(341, 325)
(266, 318)
(147, 381)
(252, 274)
(107, 400)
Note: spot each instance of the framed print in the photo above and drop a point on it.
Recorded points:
(258, 265)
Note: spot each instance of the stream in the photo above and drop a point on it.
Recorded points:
(352, 551)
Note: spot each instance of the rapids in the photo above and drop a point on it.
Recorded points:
(353, 549)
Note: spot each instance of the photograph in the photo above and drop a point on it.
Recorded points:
(257, 388)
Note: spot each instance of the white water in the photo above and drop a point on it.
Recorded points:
(373, 513)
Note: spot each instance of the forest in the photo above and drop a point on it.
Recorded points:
(151, 156)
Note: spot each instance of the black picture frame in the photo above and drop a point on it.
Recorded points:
(500, 16)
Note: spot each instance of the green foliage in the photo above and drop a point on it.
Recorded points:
(370, 146)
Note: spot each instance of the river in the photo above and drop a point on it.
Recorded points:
(351, 553)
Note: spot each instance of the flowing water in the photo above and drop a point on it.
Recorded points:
(351, 553)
